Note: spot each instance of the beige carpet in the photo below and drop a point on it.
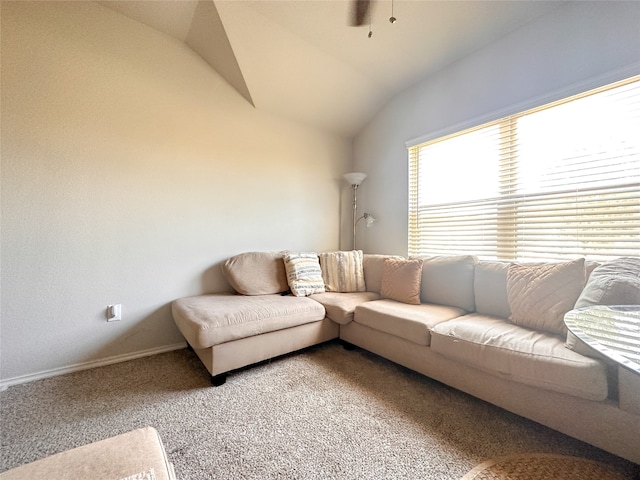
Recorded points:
(323, 414)
(540, 466)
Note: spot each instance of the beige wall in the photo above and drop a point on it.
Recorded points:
(130, 170)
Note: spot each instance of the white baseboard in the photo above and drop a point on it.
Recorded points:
(6, 383)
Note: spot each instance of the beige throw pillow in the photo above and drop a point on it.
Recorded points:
(401, 280)
(539, 295)
(256, 273)
(342, 271)
(303, 273)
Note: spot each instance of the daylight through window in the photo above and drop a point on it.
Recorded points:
(556, 182)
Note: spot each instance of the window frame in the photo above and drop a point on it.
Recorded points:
(501, 252)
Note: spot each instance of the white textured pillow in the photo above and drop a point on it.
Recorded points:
(342, 271)
(616, 282)
(303, 273)
(539, 295)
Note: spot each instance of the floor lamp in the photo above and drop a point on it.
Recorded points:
(355, 179)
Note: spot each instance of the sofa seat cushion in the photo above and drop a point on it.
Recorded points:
(208, 320)
(411, 322)
(341, 306)
(532, 357)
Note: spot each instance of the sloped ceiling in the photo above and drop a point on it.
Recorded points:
(300, 59)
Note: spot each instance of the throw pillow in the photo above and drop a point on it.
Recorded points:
(616, 282)
(401, 280)
(256, 273)
(342, 271)
(303, 273)
(539, 295)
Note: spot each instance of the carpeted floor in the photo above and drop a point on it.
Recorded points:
(325, 413)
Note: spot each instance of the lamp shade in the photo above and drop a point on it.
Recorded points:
(355, 178)
(369, 219)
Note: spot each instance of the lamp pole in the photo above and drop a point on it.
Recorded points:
(355, 179)
(355, 212)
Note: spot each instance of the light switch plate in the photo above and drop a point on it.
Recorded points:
(114, 313)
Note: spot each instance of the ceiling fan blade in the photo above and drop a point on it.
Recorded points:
(359, 10)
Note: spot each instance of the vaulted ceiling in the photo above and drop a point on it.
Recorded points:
(300, 58)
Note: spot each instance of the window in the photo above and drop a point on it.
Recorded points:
(556, 182)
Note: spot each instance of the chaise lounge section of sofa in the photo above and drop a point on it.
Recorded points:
(488, 328)
(230, 331)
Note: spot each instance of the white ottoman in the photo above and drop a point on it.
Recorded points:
(136, 455)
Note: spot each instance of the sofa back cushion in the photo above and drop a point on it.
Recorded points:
(372, 265)
(449, 281)
(256, 273)
(490, 288)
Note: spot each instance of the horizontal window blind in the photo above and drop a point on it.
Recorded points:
(556, 182)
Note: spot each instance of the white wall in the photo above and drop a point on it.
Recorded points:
(130, 170)
(579, 46)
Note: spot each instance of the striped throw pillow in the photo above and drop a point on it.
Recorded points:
(343, 271)
(303, 273)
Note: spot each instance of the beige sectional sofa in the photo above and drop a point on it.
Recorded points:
(451, 321)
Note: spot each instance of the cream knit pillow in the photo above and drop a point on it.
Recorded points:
(342, 271)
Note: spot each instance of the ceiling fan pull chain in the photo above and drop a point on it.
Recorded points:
(392, 19)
